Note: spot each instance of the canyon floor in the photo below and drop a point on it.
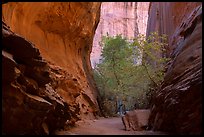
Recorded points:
(104, 126)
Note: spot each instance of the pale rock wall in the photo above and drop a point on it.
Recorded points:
(126, 18)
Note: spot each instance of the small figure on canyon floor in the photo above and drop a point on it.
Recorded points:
(120, 109)
(135, 106)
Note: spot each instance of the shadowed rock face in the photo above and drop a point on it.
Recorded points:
(47, 80)
(30, 104)
(177, 106)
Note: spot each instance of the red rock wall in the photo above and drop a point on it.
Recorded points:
(31, 104)
(177, 105)
(165, 17)
(62, 34)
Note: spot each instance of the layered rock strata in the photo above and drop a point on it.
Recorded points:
(177, 105)
(30, 103)
(47, 79)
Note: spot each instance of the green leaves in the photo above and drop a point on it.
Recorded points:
(129, 69)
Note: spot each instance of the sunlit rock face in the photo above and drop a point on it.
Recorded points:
(177, 106)
(126, 18)
(51, 77)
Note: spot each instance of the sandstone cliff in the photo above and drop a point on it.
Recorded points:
(50, 79)
(126, 18)
(177, 106)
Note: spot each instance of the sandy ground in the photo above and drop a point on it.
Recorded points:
(104, 126)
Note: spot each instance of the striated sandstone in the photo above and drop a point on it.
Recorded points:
(30, 105)
(125, 18)
(177, 105)
(62, 35)
(165, 17)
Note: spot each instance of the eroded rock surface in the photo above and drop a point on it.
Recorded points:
(47, 79)
(177, 106)
(30, 104)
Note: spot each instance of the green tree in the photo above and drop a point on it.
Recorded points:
(130, 70)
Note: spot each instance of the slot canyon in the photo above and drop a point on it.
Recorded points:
(49, 50)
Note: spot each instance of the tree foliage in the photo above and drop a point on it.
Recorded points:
(130, 70)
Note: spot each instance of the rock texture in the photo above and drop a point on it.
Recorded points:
(136, 119)
(47, 84)
(177, 105)
(165, 17)
(126, 18)
(30, 104)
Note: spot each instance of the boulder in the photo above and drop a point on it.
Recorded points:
(136, 119)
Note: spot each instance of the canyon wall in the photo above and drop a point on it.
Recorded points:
(177, 105)
(46, 65)
(165, 17)
(126, 18)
